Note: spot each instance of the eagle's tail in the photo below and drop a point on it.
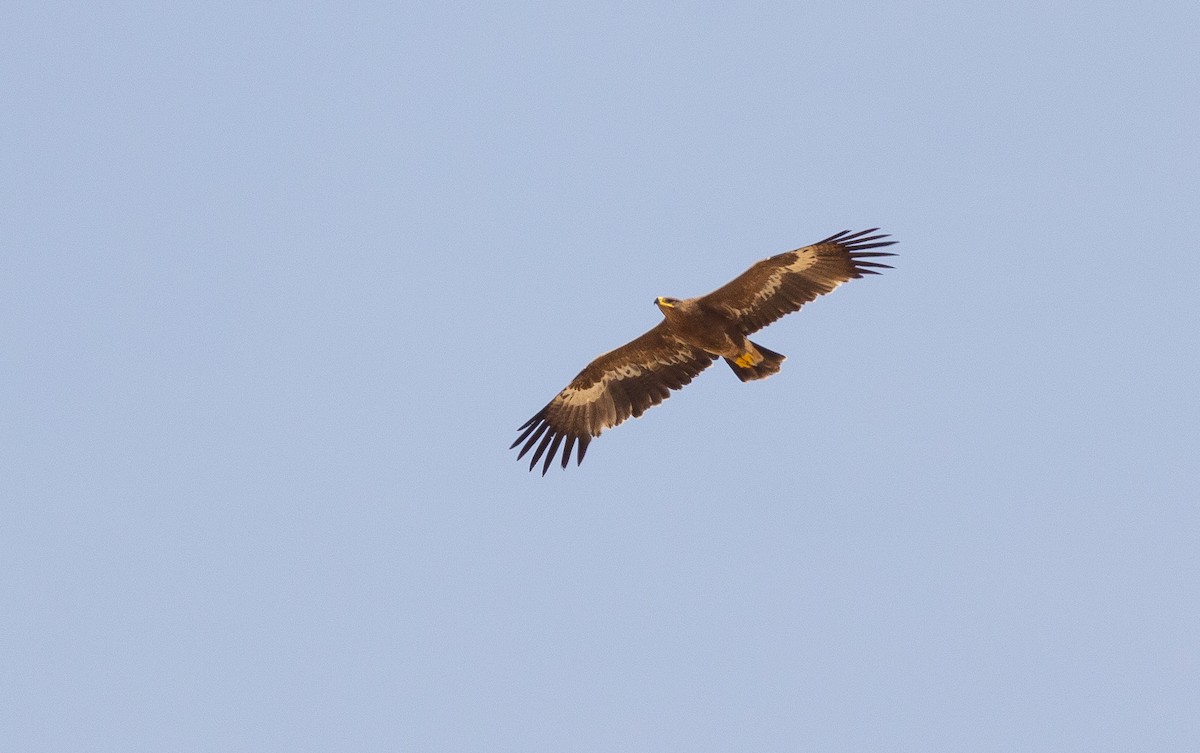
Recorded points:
(768, 362)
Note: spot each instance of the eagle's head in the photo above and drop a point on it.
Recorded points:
(665, 303)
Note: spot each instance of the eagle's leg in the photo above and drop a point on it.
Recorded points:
(749, 358)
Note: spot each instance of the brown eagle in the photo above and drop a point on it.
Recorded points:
(694, 332)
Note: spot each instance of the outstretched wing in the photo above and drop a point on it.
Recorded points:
(785, 282)
(619, 384)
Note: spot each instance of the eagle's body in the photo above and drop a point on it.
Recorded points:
(716, 331)
(694, 332)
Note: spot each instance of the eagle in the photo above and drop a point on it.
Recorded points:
(695, 332)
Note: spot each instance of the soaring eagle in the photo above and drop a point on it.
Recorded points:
(693, 333)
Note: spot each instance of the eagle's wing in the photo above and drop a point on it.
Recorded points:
(619, 384)
(785, 282)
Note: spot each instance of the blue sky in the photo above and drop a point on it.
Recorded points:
(281, 281)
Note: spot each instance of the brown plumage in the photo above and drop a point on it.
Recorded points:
(695, 332)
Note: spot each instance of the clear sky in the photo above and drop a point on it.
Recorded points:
(281, 280)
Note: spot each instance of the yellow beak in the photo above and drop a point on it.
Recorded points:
(660, 301)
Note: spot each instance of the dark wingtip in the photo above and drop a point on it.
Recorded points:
(541, 448)
(541, 428)
(858, 247)
(859, 241)
(528, 428)
(545, 441)
(552, 452)
(833, 238)
(566, 456)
